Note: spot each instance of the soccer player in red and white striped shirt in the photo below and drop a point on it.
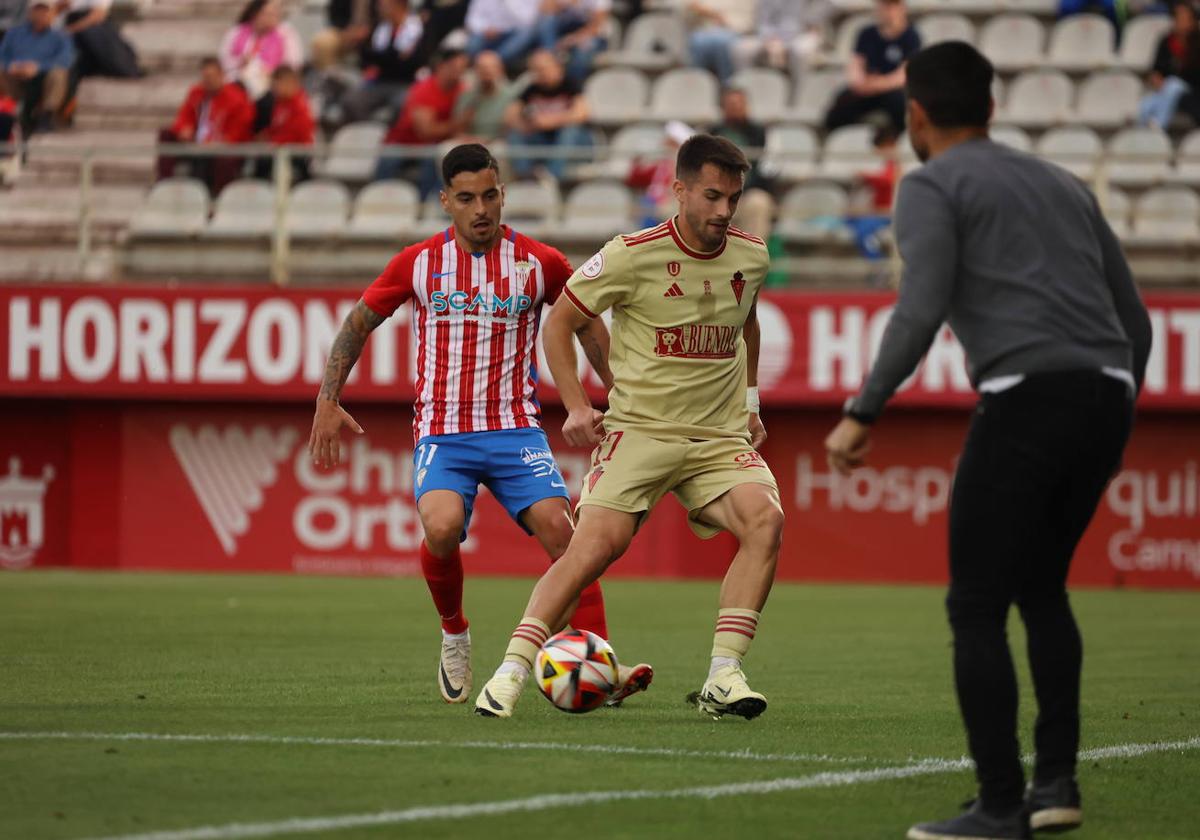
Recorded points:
(477, 291)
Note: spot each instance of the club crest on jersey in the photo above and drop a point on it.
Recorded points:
(739, 286)
(476, 302)
(673, 268)
(521, 272)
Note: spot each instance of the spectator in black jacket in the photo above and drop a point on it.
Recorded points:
(391, 57)
(350, 24)
(1175, 77)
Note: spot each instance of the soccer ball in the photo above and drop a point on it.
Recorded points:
(576, 670)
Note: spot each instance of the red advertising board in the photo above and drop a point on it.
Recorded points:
(270, 345)
(229, 487)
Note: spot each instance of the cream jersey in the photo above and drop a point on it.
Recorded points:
(677, 354)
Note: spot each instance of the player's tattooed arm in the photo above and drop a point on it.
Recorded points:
(593, 338)
(347, 347)
(324, 443)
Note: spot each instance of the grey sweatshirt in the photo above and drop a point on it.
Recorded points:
(1015, 255)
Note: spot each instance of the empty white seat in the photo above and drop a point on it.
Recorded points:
(1082, 42)
(686, 93)
(815, 93)
(653, 41)
(318, 209)
(1038, 98)
(599, 209)
(767, 92)
(1139, 41)
(1076, 149)
(791, 152)
(1187, 160)
(353, 152)
(812, 213)
(1167, 216)
(934, 29)
(245, 210)
(1012, 137)
(1115, 205)
(531, 205)
(1109, 99)
(1041, 8)
(175, 207)
(1013, 42)
(616, 95)
(384, 209)
(633, 142)
(1138, 156)
(848, 151)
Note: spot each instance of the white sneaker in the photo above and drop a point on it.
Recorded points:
(501, 693)
(454, 669)
(726, 693)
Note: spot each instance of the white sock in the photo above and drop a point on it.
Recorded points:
(509, 667)
(464, 636)
(719, 662)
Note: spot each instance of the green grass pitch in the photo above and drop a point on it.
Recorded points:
(858, 678)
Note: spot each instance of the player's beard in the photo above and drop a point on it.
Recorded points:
(709, 240)
(481, 239)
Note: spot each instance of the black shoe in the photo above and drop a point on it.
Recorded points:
(976, 824)
(1054, 805)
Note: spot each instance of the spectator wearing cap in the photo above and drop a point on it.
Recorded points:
(876, 69)
(258, 43)
(716, 25)
(508, 27)
(574, 29)
(429, 118)
(390, 58)
(283, 117)
(550, 112)
(214, 111)
(36, 59)
(101, 49)
(757, 206)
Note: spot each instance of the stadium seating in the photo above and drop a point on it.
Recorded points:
(688, 94)
(1140, 39)
(791, 152)
(597, 209)
(616, 96)
(767, 93)
(384, 210)
(945, 27)
(1082, 42)
(1012, 136)
(531, 206)
(1076, 149)
(1108, 100)
(1138, 157)
(175, 207)
(318, 209)
(654, 41)
(1187, 161)
(352, 152)
(1116, 206)
(245, 209)
(814, 94)
(1038, 99)
(1166, 216)
(847, 152)
(1013, 42)
(811, 213)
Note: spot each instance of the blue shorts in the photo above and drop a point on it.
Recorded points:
(515, 464)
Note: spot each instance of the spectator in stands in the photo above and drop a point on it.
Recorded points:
(868, 218)
(101, 49)
(576, 29)
(391, 58)
(36, 60)
(259, 42)
(550, 112)
(12, 12)
(655, 177)
(1176, 71)
(429, 118)
(283, 117)
(350, 24)
(507, 27)
(757, 206)
(716, 25)
(786, 34)
(215, 111)
(876, 69)
(487, 100)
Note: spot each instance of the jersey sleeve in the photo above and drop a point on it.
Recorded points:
(557, 270)
(604, 281)
(393, 286)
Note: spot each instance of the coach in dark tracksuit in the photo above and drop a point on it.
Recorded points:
(1015, 254)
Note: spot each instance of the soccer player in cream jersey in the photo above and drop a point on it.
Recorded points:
(682, 418)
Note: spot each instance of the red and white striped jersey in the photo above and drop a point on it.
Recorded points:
(475, 320)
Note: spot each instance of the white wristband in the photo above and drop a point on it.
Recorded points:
(752, 399)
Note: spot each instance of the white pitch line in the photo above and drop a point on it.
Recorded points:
(610, 749)
(312, 825)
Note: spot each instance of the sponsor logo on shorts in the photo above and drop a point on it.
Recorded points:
(750, 460)
(529, 455)
(593, 477)
(696, 341)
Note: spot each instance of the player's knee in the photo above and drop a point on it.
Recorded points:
(442, 531)
(556, 537)
(763, 528)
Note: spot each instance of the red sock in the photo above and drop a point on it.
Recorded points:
(589, 615)
(444, 576)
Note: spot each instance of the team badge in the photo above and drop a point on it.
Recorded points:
(593, 477)
(592, 268)
(739, 286)
(421, 477)
(673, 268)
(521, 272)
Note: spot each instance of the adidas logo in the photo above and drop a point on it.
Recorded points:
(674, 291)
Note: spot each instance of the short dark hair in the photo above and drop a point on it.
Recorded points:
(284, 71)
(952, 81)
(250, 10)
(885, 134)
(700, 149)
(444, 54)
(210, 61)
(469, 157)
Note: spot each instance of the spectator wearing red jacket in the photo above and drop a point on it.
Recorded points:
(213, 112)
(283, 117)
